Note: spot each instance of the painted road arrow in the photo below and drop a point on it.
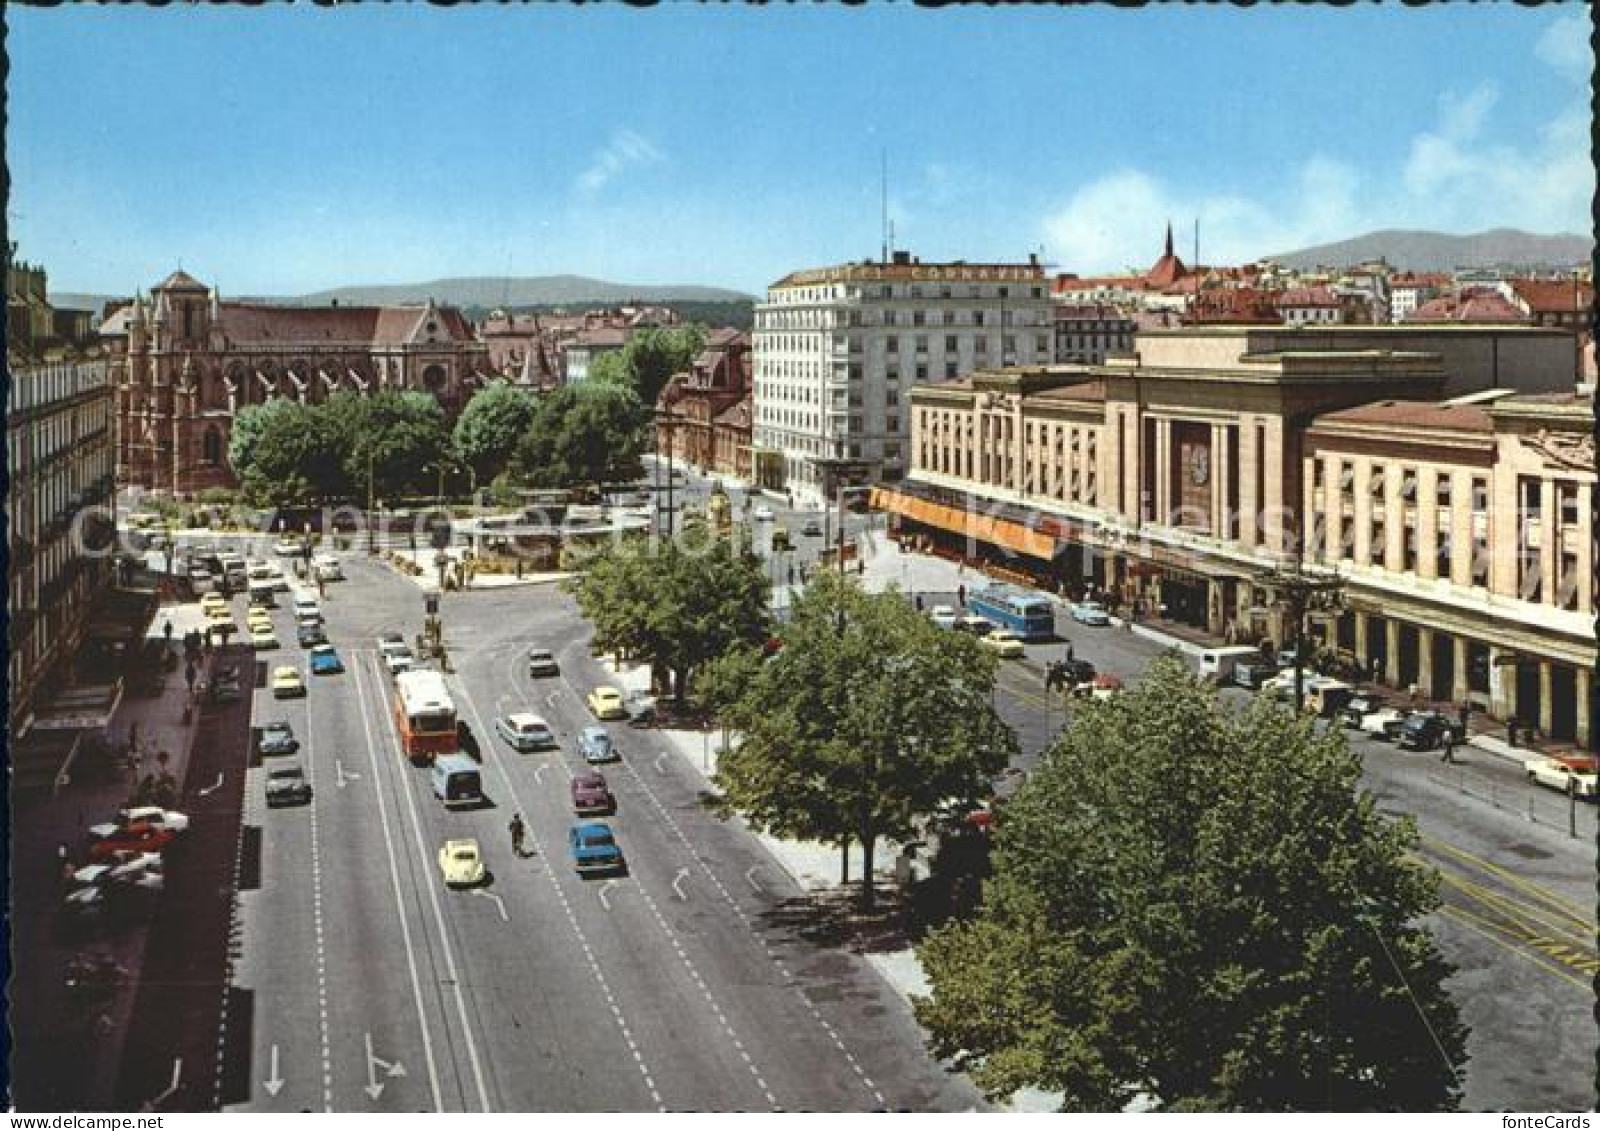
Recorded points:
(605, 887)
(273, 1083)
(207, 791)
(374, 1089)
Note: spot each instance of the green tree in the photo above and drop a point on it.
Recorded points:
(866, 723)
(652, 356)
(610, 368)
(1201, 907)
(399, 435)
(581, 435)
(674, 607)
(285, 456)
(490, 427)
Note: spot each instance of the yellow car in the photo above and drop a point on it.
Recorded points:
(1002, 640)
(606, 703)
(286, 683)
(221, 620)
(258, 616)
(461, 863)
(262, 636)
(212, 601)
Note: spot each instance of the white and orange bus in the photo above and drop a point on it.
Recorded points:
(425, 715)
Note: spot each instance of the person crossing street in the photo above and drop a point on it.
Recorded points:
(518, 831)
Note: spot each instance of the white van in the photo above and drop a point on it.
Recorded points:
(306, 608)
(1218, 663)
(327, 568)
(1328, 696)
(456, 781)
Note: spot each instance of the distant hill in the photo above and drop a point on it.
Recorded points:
(548, 290)
(1437, 251)
(485, 293)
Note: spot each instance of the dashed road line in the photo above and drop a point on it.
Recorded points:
(317, 924)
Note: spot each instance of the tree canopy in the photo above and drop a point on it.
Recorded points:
(867, 721)
(652, 356)
(673, 606)
(582, 434)
(1202, 908)
(491, 426)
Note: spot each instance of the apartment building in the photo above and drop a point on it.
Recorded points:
(838, 349)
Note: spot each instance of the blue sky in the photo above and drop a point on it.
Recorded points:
(282, 150)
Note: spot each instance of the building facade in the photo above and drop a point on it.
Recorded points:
(184, 363)
(838, 349)
(1085, 334)
(61, 461)
(703, 416)
(1456, 510)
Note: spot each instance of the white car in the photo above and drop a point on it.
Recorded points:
(1576, 774)
(327, 568)
(399, 660)
(763, 514)
(1090, 613)
(944, 616)
(1004, 642)
(152, 815)
(288, 547)
(1384, 723)
(525, 731)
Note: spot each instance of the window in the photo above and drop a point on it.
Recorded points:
(950, 343)
(892, 344)
(949, 370)
(922, 343)
(892, 397)
(1375, 483)
(1408, 486)
(1567, 493)
(894, 424)
(888, 318)
(917, 318)
(922, 373)
(977, 318)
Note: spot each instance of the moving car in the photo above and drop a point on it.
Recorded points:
(1425, 730)
(977, 626)
(594, 849)
(541, 661)
(289, 547)
(1089, 612)
(306, 608)
(1576, 774)
(606, 703)
(287, 785)
(286, 683)
(277, 737)
(457, 782)
(1218, 663)
(325, 660)
(220, 621)
(596, 746)
(461, 863)
(138, 837)
(1362, 705)
(151, 815)
(1005, 642)
(591, 794)
(944, 616)
(262, 636)
(525, 731)
(1384, 724)
(309, 635)
(327, 568)
(225, 687)
(212, 601)
(1253, 673)
(812, 528)
(399, 660)
(763, 514)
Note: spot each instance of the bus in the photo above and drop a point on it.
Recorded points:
(425, 715)
(1029, 615)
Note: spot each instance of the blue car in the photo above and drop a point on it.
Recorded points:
(325, 660)
(596, 746)
(594, 849)
(1090, 613)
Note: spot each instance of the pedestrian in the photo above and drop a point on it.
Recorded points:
(1449, 754)
(1070, 654)
(961, 595)
(166, 632)
(517, 832)
(1511, 732)
(133, 736)
(919, 602)
(791, 573)
(1466, 716)
(63, 862)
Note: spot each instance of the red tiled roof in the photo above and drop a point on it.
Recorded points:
(1307, 296)
(256, 322)
(600, 336)
(1412, 415)
(1470, 306)
(1553, 296)
(181, 281)
(1166, 271)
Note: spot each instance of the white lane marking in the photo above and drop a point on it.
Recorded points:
(572, 919)
(344, 774)
(177, 1077)
(274, 1082)
(444, 942)
(601, 892)
(750, 877)
(399, 899)
(677, 884)
(316, 917)
(755, 933)
(498, 902)
(538, 773)
(660, 758)
(374, 1087)
(550, 700)
(208, 790)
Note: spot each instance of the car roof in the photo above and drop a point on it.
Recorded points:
(277, 724)
(592, 828)
(595, 732)
(322, 648)
(457, 845)
(284, 669)
(589, 777)
(526, 719)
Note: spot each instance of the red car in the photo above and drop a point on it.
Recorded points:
(137, 837)
(590, 794)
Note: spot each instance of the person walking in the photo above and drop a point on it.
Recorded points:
(1070, 654)
(1511, 732)
(1466, 717)
(1449, 741)
(166, 632)
(961, 595)
(518, 831)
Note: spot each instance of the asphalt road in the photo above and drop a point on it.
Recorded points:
(693, 983)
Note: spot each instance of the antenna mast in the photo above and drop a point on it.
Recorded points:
(888, 234)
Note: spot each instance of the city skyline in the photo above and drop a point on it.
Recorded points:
(278, 152)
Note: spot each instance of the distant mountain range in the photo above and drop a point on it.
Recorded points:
(1437, 251)
(480, 291)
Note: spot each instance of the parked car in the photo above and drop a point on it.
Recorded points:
(262, 637)
(594, 849)
(151, 815)
(1384, 724)
(286, 683)
(310, 635)
(1004, 642)
(277, 737)
(1091, 613)
(398, 660)
(138, 837)
(641, 710)
(1253, 674)
(591, 794)
(225, 686)
(596, 746)
(542, 661)
(327, 568)
(812, 528)
(944, 616)
(1360, 707)
(763, 514)
(289, 548)
(287, 785)
(325, 660)
(461, 863)
(1426, 729)
(977, 626)
(525, 731)
(1574, 773)
(606, 703)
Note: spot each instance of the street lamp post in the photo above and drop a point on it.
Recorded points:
(1301, 593)
(372, 534)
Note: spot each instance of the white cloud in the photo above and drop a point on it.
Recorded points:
(626, 150)
(1565, 44)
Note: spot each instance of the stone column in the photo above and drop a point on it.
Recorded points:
(1333, 537)
(1391, 660)
(1362, 623)
(1361, 512)
(1275, 521)
(1162, 501)
(1502, 686)
(1546, 707)
(1582, 687)
(1249, 505)
(1132, 463)
(1549, 545)
(1394, 527)
(1427, 523)
(1219, 501)
(1425, 661)
(1219, 468)
(1459, 688)
(1585, 558)
(1461, 529)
